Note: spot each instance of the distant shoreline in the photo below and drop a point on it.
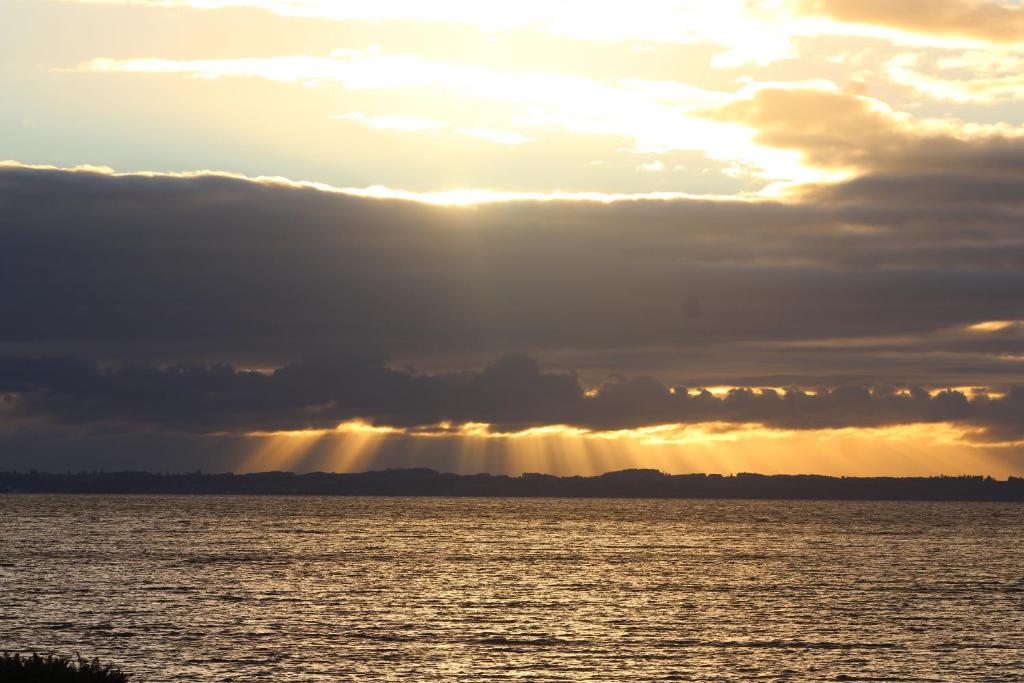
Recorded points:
(420, 482)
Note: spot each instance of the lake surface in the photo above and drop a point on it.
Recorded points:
(424, 589)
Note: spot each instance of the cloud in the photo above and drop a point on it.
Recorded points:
(656, 117)
(832, 129)
(978, 19)
(172, 269)
(652, 167)
(974, 77)
(780, 132)
(839, 130)
(882, 246)
(749, 38)
(513, 393)
(929, 179)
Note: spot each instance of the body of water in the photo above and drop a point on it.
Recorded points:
(439, 589)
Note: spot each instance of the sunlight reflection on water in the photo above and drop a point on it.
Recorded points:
(325, 589)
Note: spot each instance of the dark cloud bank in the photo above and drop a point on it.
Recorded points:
(130, 302)
(512, 394)
(211, 268)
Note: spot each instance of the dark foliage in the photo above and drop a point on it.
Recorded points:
(15, 668)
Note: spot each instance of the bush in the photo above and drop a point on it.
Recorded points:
(51, 669)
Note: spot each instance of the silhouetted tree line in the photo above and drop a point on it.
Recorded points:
(426, 482)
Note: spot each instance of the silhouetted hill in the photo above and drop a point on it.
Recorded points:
(425, 482)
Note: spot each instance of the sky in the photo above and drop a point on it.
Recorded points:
(560, 236)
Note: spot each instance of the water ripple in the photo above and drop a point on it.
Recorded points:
(433, 589)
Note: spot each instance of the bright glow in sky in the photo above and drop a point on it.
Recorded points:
(651, 96)
(780, 155)
(907, 450)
